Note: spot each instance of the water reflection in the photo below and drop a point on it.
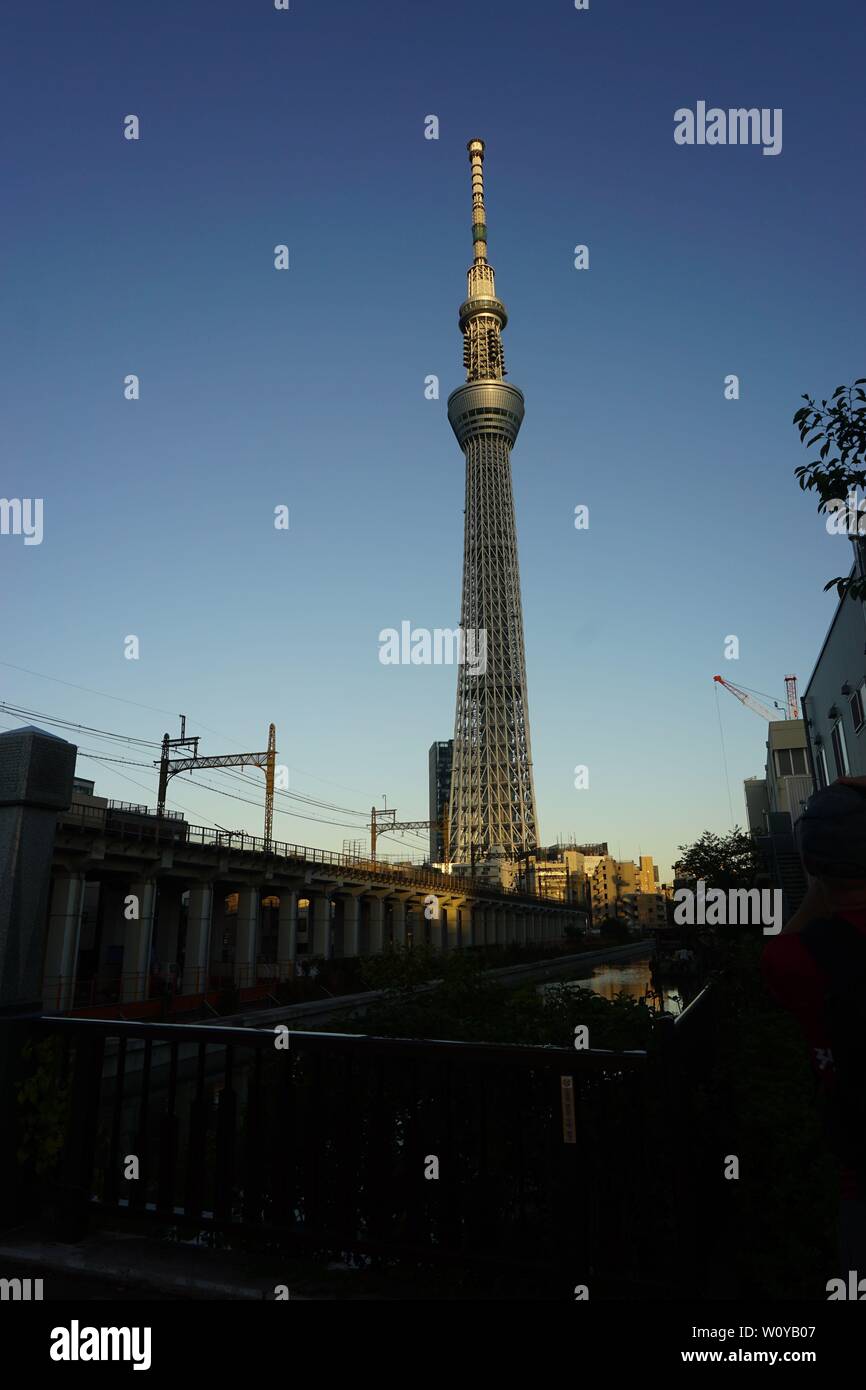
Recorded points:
(632, 977)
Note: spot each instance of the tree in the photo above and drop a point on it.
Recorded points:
(725, 861)
(840, 427)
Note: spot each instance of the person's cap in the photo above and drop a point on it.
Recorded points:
(831, 833)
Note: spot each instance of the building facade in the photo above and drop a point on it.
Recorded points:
(439, 761)
(834, 702)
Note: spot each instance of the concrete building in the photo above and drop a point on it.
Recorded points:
(626, 891)
(786, 783)
(563, 872)
(439, 761)
(757, 803)
(834, 701)
(773, 805)
(789, 783)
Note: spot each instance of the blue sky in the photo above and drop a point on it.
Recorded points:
(306, 387)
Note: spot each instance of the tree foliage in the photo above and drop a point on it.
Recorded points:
(464, 1004)
(839, 427)
(723, 861)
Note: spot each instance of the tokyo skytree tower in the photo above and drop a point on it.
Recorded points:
(492, 796)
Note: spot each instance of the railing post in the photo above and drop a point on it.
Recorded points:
(76, 1183)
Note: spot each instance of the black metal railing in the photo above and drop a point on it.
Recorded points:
(520, 1158)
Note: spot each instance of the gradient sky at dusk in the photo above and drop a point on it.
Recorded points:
(307, 387)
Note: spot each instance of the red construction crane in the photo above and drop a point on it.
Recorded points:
(747, 699)
(791, 693)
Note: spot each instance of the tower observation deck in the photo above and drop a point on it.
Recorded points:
(492, 801)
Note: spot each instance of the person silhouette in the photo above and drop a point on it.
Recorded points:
(816, 968)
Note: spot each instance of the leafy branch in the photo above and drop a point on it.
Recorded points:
(839, 427)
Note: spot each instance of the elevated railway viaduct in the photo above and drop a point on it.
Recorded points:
(136, 898)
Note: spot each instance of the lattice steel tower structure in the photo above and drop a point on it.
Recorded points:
(492, 796)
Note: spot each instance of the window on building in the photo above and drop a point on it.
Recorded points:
(790, 762)
(857, 707)
(840, 752)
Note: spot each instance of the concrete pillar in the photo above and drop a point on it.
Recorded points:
(321, 906)
(398, 919)
(287, 933)
(112, 932)
(247, 938)
(137, 939)
(167, 924)
(351, 925)
(36, 772)
(451, 934)
(376, 939)
(61, 950)
(198, 934)
(467, 924)
(437, 922)
(415, 925)
(223, 925)
(479, 924)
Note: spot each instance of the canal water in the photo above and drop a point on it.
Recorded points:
(633, 977)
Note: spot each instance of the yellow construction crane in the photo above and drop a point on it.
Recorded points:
(269, 766)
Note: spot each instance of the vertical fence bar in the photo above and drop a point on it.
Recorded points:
(112, 1176)
(167, 1161)
(197, 1150)
(80, 1144)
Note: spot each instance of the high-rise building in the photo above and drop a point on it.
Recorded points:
(624, 890)
(492, 794)
(439, 774)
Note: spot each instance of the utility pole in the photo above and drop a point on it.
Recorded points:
(170, 767)
(164, 764)
(382, 822)
(270, 765)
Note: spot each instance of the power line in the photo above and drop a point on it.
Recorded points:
(301, 798)
(88, 689)
(298, 796)
(279, 810)
(58, 721)
(141, 787)
(155, 709)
